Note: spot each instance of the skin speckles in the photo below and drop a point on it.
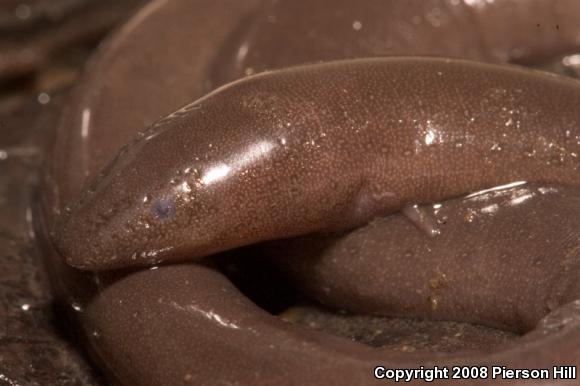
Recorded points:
(239, 170)
(464, 272)
(315, 148)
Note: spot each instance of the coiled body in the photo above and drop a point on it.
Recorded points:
(400, 131)
(317, 148)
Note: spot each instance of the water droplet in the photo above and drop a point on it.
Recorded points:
(434, 302)
(185, 187)
(76, 306)
(530, 152)
(442, 220)
(469, 215)
(43, 98)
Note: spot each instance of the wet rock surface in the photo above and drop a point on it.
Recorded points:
(34, 347)
(43, 44)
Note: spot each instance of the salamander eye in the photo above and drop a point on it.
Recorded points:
(163, 209)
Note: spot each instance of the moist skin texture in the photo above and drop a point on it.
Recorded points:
(188, 323)
(322, 30)
(218, 335)
(339, 143)
(496, 249)
(212, 47)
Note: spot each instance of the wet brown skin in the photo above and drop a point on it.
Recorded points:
(252, 161)
(145, 304)
(158, 77)
(146, 327)
(494, 31)
(502, 258)
(218, 336)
